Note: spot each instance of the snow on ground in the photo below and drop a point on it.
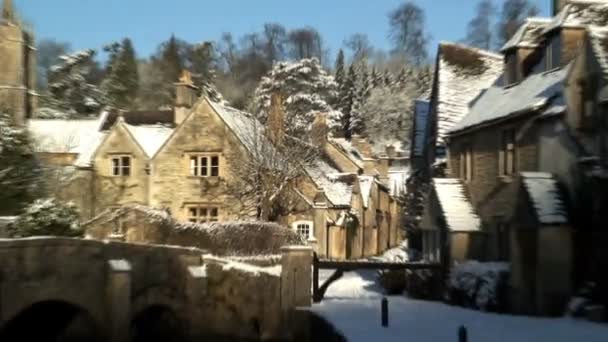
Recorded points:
(352, 305)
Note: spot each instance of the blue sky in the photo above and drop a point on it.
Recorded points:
(93, 23)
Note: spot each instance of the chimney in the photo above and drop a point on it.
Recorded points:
(320, 130)
(275, 124)
(8, 13)
(185, 96)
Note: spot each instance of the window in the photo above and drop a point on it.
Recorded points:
(507, 157)
(121, 166)
(549, 56)
(205, 166)
(304, 228)
(466, 164)
(201, 214)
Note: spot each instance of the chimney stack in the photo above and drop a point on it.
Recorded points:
(8, 13)
(320, 130)
(275, 124)
(185, 96)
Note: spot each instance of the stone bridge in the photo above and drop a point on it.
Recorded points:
(61, 289)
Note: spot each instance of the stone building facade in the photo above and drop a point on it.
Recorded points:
(522, 155)
(17, 66)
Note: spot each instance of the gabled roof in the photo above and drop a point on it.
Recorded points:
(537, 91)
(150, 137)
(462, 73)
(350, 151)
(365, 184)
(580, 13)
(529, 34)
(420, 132)
(337, 191)
(458, 212)
(546, 197)
(598, 37)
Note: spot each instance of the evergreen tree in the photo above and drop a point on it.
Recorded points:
(348, 97)
(306, 89)
(364, 88)
(71, 91)
(120, 86)
(19, 170)
(203, 64)
(168, 64)
(340, 68)
(47, 217)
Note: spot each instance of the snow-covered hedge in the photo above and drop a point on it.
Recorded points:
(479, 285)
(47, 217)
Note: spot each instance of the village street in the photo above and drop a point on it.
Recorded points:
(352, 305)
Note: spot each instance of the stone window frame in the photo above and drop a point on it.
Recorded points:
(202, 213)
(118, 167)
(300, 225)
(206, 164)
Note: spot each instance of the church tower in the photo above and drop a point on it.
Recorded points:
(17, 66)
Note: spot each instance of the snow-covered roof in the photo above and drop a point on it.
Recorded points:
(598, 37)
(421, 114)
(580, 13)
(397, 180)
(463, 72)
(546, 197)
(150, 137)
(351, 151)
(528, 34)
(241, 123)
(537, 91)
(459, 214)
(365, 184)
(337, 191)
(61, 136)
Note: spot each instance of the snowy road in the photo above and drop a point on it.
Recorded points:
(352, 305)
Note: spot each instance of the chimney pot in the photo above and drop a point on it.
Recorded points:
(185, 96)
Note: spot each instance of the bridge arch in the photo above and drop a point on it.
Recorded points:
(52, 320)
(158, 314)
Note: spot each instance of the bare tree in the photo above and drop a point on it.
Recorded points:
(267, 169)
(359, 46)
(512, 16)
(479, 29)
(275, 37)
(408, 32)
(227, 50)
(306, 43)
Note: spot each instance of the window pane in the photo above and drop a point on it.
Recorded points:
(215, 171)
(204, 166)
(214, 212)
(126, 171)
(215, 161)
(194, 166)
(126, 161)
(203, 212)
(115, 167)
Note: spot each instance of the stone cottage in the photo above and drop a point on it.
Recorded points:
(520, 157)
(346, 203)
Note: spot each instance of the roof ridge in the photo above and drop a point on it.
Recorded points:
(464, 46)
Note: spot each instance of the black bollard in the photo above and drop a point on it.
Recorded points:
(384, 312)
(462, 334)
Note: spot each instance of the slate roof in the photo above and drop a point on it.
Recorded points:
(420, 132)
(337, 191)
(142, 117)
(529, 34)
(598, 37)
(463, 72)
(538, 91)
(351, 152)
(457, 210)
(546, 197)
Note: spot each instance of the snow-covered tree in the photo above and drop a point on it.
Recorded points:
(387, 114)
(47, 217)
(387, 79)
(19, 171)
(348, 98)
(70, 90)
(121, 82)
(376, 78)
(339, 68)
(202, 63)
(306, 89)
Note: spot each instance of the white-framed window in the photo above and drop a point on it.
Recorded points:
(207, 165)
(202, 213)
(304, 228)
(120, 166)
